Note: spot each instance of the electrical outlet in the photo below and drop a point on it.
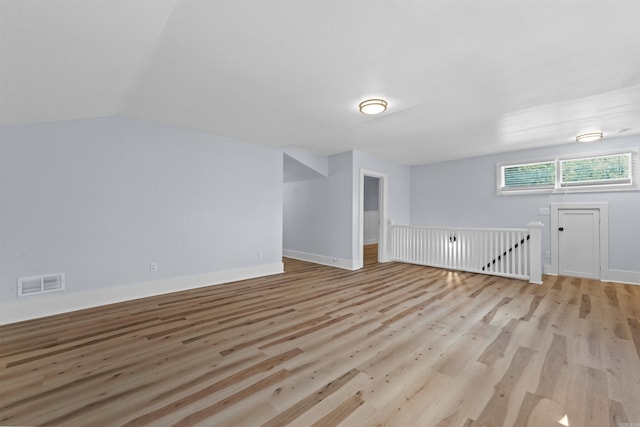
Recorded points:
(153, 266)
(543, 211)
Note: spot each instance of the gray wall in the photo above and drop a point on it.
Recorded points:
(317, 212)
(100, 199)
(463, 193)
(371, 193)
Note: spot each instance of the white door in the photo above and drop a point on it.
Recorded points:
(579, 243)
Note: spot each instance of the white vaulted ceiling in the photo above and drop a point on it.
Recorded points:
(462, 78)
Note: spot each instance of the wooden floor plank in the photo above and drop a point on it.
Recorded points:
(587, 398)
(495, 412)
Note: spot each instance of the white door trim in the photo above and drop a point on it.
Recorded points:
(604, 234)
(382, 208)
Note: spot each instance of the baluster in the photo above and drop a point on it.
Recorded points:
(430, 247)
(414, 235)
(525, 257)
(462, 241)
(501, 254)
(498, 252)
(511, 236)
(494, 251)
(440, 252)
(458, 246)
(505, 238)
(519, 255)
(453, 261)
(489, 250)
(420, 239)
(434, 247)
(419, 248)
(398, 243)
(473, 251)
(499, 244)
(501, 240)
(414, 246)
(425, 256)
(443, 253)
(482, 250)
(512, 240)
(514, 253)
(407, 244)
(396, 239)
(393, 243)
(447, 248)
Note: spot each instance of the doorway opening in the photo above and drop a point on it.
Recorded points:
(371, 219)
(579, 239)
(372, 230)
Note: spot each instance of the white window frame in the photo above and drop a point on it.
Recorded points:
(577, 188)
(524, 189)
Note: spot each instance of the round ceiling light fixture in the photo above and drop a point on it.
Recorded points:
(372, 106)
(589, 137)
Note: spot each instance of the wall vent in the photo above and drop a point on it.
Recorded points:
(35, 285)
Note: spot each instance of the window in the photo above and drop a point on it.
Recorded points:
(529, 176)
(603, 172)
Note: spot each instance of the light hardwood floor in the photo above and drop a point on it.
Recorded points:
(389, 345)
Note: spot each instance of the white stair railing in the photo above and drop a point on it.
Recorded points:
(508, 252)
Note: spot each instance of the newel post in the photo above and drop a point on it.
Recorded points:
(535, 251)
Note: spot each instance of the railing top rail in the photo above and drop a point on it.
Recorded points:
(461, 228)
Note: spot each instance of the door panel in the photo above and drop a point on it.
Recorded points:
(579, 243)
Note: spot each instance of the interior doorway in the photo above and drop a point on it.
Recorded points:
(579, 239)
(371, 219)
(372, 225)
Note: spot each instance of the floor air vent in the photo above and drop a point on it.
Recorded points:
(35, 285)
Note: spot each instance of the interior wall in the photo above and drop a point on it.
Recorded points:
(317, 213)
(100, 199)
(462, 193)
(371, 185)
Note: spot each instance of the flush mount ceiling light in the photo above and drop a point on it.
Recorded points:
(372, 106)
(589, 137)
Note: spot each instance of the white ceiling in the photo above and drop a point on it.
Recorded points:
(462, 78)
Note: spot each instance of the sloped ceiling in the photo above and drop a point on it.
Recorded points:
(462, 78)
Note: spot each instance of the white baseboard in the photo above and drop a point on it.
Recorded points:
(622, 276)
(347, 264)
(370, 241)
(618, 276)
(63, 302)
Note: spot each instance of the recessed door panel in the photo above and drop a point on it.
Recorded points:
(579, 243)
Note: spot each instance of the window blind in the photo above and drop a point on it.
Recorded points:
(530, 175)
(601, 170)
